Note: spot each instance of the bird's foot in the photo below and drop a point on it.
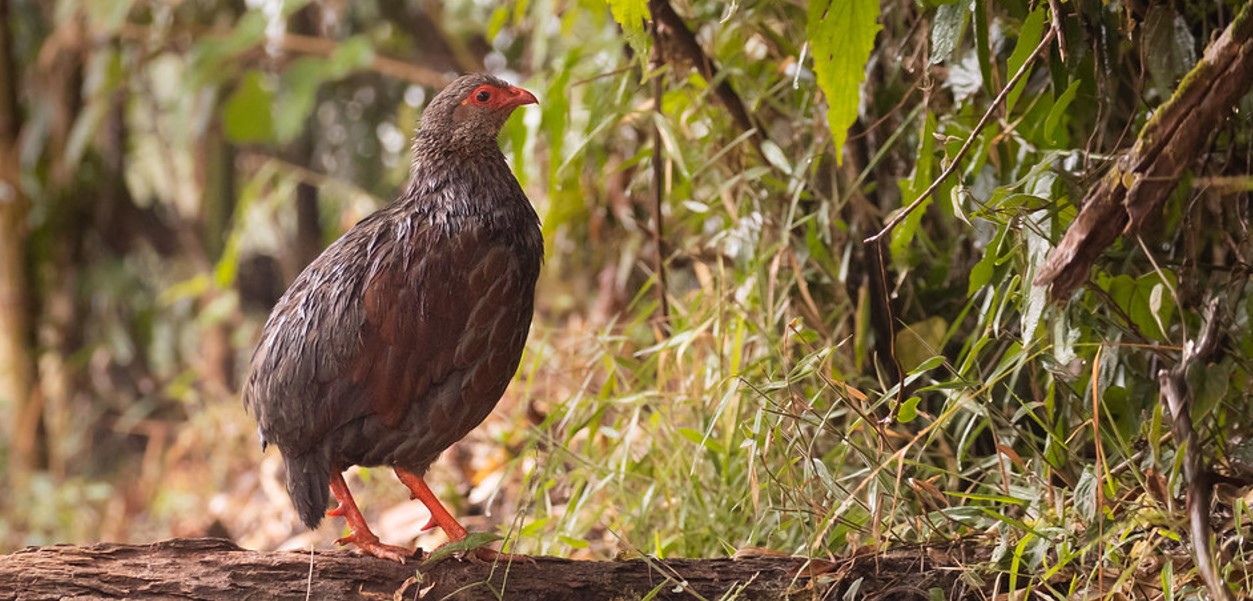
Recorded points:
(366, 542)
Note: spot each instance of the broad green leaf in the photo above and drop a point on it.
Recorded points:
(924, 171)
(631, 15)
(841, 34)
(1059, 108)
(946, 32)
(982, 272)
(1153, 307)
(247, 115)
(1028, 38)
(1135, 297)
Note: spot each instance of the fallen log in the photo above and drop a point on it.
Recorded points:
(210, 569)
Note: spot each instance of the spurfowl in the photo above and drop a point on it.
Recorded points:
(402, 336)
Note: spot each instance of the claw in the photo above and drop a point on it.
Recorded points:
(371, 545)
(359, 534)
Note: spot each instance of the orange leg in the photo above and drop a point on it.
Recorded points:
(360, 534)
(439, 515)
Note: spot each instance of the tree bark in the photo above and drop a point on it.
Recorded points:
(209, 569)
(1137, 186)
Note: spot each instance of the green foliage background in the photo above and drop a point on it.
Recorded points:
(167, 146)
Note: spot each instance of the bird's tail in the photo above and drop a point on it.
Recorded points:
(308, 485)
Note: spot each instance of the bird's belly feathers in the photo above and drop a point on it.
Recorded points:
(449, 409)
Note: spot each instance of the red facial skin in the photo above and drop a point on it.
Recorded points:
(499, 98)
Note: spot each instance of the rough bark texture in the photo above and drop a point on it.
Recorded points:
(1136, 188)
(210, 569)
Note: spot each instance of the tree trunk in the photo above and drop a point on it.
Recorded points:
(15, 359)
(210, 569)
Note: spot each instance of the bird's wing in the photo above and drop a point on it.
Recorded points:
(294, 385)
(383, 315)
(451, 300)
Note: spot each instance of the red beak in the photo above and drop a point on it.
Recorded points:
(519, 97)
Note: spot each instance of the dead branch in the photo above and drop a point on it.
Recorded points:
(1136, 188)
(210, 569)
(1177, 396)
(678, 42)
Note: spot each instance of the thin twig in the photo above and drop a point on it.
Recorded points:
(974, 134)
(303, 44)
(1099, 490)
(398, 69)
(1056, 26)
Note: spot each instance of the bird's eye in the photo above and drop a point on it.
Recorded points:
(483, 96)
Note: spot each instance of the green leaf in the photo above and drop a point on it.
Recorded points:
(247, 116)
(913, 187)
(1150, 312)
(1153, 306)
(909, 410)
(631, 15)
(1059, 108)
(299, 85)
(1028, 38)
(352, 54)
(472, 541)
(211, 54)
(946, 32)
(982, 272)
(982, 45)
(841, 33)
(1084, 500)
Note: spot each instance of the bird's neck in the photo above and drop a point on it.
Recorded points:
(442, 175)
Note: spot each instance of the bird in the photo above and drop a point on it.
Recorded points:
(401, 337)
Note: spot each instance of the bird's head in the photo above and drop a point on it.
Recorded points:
(469, 113)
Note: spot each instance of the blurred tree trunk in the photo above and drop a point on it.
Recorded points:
(216, 167)
(15, 358)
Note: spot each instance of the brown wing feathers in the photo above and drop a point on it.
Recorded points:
(411, 339)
